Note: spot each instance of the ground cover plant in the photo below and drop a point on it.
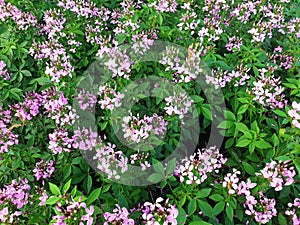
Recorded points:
(150, 112)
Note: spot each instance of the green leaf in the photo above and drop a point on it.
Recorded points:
(251, 147)
(229, 143)
(216, 197)
(67, 171)
(229, 212)
(243, 143)
(199, 223)
(226, 124)
(155, 178)
(104, 125)
(203, 193)
(84, 165)
(229, 115)
(281, 219)
(206, 113)
(16, 90)
(41, 81)
(78, 32)
(88, 182)
(275, 140)
(93, 196)
(171, 166)
(280, 113)
(192, 206)
(54, 189)
(241, 127)
(52, 200)
(270, 153)
(181, 218)
(66, 186)
(248, 168)
(160, 19)
(26, 73)
(223, 65)
(283, 158)
(242, 109)
(74, 191)
(254, 127)
(240, 214)
(297, 164)
(122, 201)
(182, 200)
(219, 207)
(106, 188)
(205, 208)
(121, 38)
(14, 96)
(197, 98)
(261, 144)
(159, 168)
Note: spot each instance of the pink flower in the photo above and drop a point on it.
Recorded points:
(88, 216)
(4, 214)
(43, 198)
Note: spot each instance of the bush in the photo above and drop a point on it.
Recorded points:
(149, 112)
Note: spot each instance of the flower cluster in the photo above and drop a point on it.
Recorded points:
(278, 174)
(3, 71)
(141, 158)
(43, 170)
(58, 109)
(292, 211)
(244, 187)
(164, 5)
(188, 20)
(136, 129)
(109, 98)
(118, 61)
(268, 91)
(244, 10)
(220, 78)
(159, 125)
(160, 212)
(110, 161)
(23, 19)
(43, 198)
(119, 216)
(60, 142)
(284, 60)
(73, 43)
(54, 24)
(15, 194)
(69, 212)
(178, 104)
(86, 100)
(271, 19)
(59, 64)
(184, 70)
(82, 8)
(30, 107)
(262, 210)
(234, 44)
(7, 137)
(231, 181)
(123, 18)
(85, 139)
(196, 168)
(294, 114)
(235, 186)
